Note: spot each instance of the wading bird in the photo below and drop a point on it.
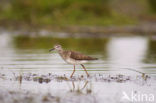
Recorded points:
(73, 57)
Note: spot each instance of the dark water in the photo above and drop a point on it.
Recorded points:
(129, 55)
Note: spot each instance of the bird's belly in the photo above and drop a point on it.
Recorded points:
(72, 61)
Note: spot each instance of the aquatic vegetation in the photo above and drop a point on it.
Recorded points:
(60, 78)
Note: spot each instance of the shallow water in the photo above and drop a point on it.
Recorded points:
(130, 56)
(116, 54)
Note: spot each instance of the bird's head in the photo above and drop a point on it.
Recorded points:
(56, 47)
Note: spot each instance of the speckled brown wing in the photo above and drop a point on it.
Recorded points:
(79, 56)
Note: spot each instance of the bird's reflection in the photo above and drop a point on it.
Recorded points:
(81, 87)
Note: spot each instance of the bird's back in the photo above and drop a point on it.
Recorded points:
(79, 56)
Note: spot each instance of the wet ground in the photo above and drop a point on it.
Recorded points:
(30, 74)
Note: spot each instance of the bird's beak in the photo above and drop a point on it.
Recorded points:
(51, 49)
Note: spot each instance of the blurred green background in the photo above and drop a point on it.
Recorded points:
(76, 12)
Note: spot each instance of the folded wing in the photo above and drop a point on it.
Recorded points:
(79, 56)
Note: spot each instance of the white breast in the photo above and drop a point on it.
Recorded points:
(72, 61)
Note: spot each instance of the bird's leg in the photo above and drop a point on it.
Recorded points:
(73, 72)
(85, 70)
(73, 85)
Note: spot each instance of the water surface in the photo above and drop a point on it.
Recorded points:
(31, 54)
(131, 56)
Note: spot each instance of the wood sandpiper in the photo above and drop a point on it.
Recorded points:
(73, 57)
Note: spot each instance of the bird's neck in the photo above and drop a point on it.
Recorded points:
(60, 51)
